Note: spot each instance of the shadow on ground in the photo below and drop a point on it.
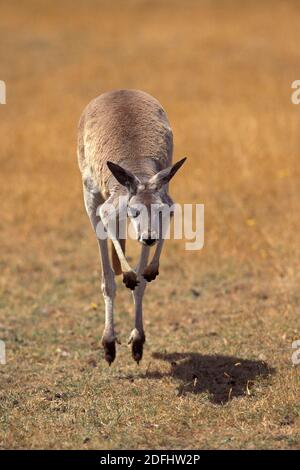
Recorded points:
(221, 377)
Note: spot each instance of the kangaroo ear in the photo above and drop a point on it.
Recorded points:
(163, 177)
(124, 177)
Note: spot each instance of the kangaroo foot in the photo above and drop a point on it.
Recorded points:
(137, 340)
(109, 346)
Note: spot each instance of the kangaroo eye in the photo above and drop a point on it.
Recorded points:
(132, 212)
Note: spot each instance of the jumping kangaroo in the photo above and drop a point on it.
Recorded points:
(125, 147)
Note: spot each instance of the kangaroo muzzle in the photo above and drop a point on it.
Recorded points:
(148, 239)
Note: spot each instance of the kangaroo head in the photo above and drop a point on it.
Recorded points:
(146, 199)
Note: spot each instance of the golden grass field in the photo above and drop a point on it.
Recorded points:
(217, 369)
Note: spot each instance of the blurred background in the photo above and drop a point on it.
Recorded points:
(222, 70)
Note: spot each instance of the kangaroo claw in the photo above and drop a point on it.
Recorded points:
(150, 273)
(109, 351)
(130, 280)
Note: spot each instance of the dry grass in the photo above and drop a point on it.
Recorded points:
(217, 369)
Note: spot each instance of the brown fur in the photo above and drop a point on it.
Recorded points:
(127, 127)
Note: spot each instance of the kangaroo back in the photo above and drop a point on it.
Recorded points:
(128, 127)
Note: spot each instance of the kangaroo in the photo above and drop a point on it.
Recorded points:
(125, 146)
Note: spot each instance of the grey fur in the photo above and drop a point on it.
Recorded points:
(128, 128)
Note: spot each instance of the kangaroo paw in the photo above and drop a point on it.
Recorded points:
(150, 273)
(137, 341)
(130, 280)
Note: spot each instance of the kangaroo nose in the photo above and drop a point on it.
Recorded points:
(148, 239)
